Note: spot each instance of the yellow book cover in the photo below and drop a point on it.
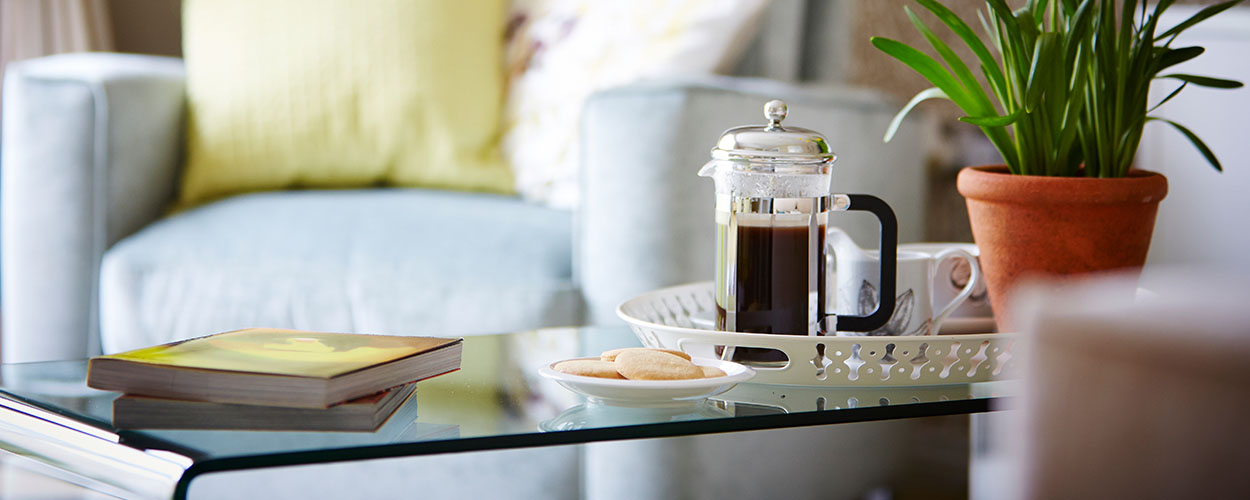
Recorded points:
(283, 352)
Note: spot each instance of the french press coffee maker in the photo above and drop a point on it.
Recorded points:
(773, 202)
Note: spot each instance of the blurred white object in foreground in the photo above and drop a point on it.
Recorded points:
(1134, 397)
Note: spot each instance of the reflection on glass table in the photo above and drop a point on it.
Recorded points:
(496, 401)
(593, 414)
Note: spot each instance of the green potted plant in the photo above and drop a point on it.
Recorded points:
(1068, 86)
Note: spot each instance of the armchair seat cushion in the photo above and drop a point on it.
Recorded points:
(396, 261)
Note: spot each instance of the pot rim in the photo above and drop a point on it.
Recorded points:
(995, 183)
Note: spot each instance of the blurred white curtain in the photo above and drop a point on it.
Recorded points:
(33, 28)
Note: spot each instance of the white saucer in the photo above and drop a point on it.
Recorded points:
(652, 392)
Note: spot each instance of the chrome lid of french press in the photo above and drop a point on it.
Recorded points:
(765, 145)
(773, 161)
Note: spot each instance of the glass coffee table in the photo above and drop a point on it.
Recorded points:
(496, 401)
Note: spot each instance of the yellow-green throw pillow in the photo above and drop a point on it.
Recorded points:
(340, 93)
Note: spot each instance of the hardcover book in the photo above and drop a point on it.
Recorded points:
(360, 414)
(264, 366)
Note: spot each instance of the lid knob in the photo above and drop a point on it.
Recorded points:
(775, 111)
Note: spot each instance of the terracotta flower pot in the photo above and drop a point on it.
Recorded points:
(1034, 225)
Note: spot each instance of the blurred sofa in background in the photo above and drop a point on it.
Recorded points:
(94, 261)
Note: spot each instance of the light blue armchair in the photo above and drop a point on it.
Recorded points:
(92, 262)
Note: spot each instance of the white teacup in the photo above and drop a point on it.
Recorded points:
(952, 275)
(918, 283)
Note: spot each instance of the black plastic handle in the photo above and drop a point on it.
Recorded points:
(889, 265)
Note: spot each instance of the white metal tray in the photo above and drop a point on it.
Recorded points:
(662, 318)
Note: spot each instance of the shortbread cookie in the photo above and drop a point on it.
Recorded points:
(611, 355)
(588, 368)
(712, 372)
(647, 364)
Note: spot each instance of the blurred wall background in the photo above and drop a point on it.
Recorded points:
(147, 26)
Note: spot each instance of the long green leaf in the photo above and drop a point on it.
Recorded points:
(1148, 27)
(1075, 104)
(1012, 48)
(1126, 23)
(1202, 15)
(1067, 154)
(928, 68)
(1205, 81)
(1128, 62)
(923, 95)
(1193, 139)
(957, 26)
(1041, 68)
(1163, 6)
(1172, 57)
(993, 121)
(956, 64)
(1000, 10)
(1028, 28)
(990, 32)
(1038, 8)
(1081, 20)
(1169, 97)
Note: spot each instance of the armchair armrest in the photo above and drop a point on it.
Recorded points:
(90, 155)
(646, 218)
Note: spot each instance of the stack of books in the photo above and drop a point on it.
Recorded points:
(268, 379)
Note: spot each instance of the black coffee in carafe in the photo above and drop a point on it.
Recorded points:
(774, 288)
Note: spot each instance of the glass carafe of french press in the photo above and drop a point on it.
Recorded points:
(773, 205)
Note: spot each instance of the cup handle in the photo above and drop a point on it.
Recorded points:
(963, 294)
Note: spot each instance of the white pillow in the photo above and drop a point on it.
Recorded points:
(561, 51)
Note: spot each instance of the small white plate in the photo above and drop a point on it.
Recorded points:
(652, 392)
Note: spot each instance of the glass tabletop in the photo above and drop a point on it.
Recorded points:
(497, 400)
